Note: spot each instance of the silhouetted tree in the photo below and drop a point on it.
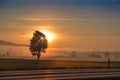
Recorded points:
(38, 44)
(117, 55)
(7, 54)
(73, 54)
(107, 54)
(94, 55)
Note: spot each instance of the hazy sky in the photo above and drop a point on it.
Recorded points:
(80, 25)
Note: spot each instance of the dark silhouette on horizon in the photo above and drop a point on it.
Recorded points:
(38, 44)
(107, 55)
(8, 43)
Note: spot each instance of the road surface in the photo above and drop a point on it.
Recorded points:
(62, 74)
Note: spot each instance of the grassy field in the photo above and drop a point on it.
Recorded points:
(22, 64)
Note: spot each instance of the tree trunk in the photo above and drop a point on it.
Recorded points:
(38, 56)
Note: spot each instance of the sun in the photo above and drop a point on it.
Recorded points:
(49, 35)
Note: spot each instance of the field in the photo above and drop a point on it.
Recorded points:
(22, 64)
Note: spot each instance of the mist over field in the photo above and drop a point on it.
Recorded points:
(18, 52)
(68, 30)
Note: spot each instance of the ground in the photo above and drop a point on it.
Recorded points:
(23, 64)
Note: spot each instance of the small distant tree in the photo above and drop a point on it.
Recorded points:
(7, 54)
(107, 54)
(73, 54)
(38, 44)
(117, 55)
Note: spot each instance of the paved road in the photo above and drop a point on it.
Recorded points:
(62, 74)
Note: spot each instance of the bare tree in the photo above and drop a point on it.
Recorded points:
(38, 44)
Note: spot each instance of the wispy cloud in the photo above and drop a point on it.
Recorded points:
(68, 19)
(44, 19)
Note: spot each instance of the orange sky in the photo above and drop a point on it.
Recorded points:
(80, 25)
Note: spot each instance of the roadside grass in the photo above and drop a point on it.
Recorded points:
(22, 64)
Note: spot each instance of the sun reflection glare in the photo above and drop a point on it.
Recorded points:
(49, 35)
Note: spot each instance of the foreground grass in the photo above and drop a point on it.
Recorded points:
(22, 64)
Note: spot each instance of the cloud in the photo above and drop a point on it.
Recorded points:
(68, 19)
(45, 19)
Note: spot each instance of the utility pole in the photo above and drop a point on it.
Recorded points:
(108, 62)
(107, 55)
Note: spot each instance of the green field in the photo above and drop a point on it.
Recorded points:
(22, 64)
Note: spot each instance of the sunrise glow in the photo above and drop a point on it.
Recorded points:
(50, 35)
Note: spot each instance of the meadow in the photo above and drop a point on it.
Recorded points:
(23, 64)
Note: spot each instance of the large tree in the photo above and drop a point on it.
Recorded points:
(38, 44)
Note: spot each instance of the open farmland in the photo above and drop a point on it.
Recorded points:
(22, 64)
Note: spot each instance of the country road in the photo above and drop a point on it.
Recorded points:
(62, 74)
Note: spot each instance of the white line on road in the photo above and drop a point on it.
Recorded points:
(59, 74)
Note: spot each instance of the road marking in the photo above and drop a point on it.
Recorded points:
(60, 74)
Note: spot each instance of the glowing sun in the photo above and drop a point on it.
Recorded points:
(49, 35)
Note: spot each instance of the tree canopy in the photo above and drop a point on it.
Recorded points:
(38, 44)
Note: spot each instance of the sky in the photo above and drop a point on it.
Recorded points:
(78, 25)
